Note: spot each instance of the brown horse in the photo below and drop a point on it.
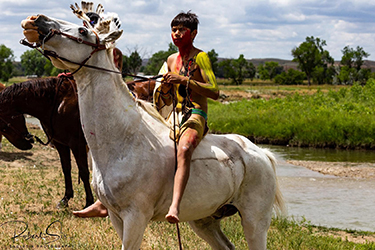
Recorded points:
(53, 101)
(2, 86)
(142, 89)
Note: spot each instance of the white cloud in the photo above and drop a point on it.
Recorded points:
(257, 28)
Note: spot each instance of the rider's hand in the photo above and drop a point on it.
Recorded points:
(173, 78)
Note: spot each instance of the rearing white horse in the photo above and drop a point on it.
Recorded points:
(133, 157)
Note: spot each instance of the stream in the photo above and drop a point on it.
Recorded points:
(326, 200)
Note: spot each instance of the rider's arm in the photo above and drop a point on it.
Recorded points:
(209, 87)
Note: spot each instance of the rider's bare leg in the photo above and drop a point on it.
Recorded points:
(95, 210)
(185, 150)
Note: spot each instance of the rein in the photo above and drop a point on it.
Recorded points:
(174, 102)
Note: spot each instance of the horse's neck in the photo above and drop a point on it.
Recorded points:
(111, 121)
(28, 102)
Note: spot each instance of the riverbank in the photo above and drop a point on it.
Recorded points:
(340, 169)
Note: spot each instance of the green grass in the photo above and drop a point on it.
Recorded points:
(341, 118)
(32, 184)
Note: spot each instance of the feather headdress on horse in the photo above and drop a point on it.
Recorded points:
(98, 20)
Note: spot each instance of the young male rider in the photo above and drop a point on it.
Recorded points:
(191, 76)
(191, 79)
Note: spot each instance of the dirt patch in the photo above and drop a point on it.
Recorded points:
(345, 236)
(340, 169)
(236, 95)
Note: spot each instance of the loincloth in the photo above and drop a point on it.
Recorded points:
(197, 122)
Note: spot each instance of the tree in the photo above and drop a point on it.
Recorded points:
(213, 58)
(135, 62)
(311, 57)
(292, 77)
(352, 61)
(156, 61)
(50, 70)
(228, 70)
(269, 70)
(6, 63)
(353, 58)
(251, 70)
(33, 62)
(125, 66)
(237, 69)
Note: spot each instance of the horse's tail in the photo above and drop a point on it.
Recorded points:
(279, 204)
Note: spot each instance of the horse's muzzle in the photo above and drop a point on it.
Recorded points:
(29, 138)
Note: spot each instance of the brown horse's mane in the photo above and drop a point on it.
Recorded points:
(41, 87)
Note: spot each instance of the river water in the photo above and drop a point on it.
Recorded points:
(326, 200)
(323, 200)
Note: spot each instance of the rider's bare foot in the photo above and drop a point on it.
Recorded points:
(172, 216)
(95, 210)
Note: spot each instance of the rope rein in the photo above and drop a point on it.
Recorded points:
(174, 103)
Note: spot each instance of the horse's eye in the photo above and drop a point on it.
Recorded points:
(3, 128)
(82, 31)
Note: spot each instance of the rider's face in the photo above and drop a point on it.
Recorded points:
(181, 36)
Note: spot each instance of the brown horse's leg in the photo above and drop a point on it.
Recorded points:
(80, 155)
(64, 153)
(1, 145)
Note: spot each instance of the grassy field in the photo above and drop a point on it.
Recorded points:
(315, 116)
(32, 184)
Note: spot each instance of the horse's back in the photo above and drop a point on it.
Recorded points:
(223, 166)
(231, 146)
(257, 162)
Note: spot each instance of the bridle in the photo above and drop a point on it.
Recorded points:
(47, 53)
(9, 125)
(97, 47)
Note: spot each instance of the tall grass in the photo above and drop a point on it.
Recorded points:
(343, 118)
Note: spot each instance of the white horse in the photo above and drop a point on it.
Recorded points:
(133, 157)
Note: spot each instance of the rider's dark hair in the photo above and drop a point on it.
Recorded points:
(188, 20)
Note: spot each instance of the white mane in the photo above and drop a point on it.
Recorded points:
(151, 110)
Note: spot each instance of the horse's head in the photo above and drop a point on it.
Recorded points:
(13, 127)
(67, 44)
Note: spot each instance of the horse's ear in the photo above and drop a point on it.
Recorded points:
(111, 36)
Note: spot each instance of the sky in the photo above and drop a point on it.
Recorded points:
(254, 28)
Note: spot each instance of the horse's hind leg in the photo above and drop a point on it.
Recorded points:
(255, 230)
(256, 215)
(209, 230)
